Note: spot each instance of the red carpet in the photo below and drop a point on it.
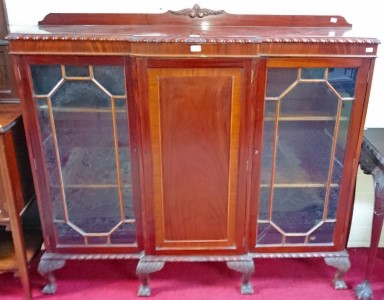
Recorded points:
(274, 279)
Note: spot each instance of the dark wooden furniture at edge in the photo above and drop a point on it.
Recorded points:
(20, 234)
(372, 163)
(193, 135)
(8, 91)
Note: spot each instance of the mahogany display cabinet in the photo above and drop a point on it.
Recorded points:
(193, 135)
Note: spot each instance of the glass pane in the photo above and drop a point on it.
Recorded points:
(323, 234)
(111, 78)
(343, 80)
(97, 240)
(90, 212)
(309, 100)
(87, 152)
(67, 235)
(297, 210)
(123, 142)
(264, 203)
(77, 71)
(128, 202)
(333, 203)
(54, 179)
(312, 73)
(303, 153)
(278, 80)
(342, 136)
(124, 156)
(43, 115)
(45, 78)
(295, 240)
(267, 234)
(268, 141)
(50, 158)
(80, 94)
(309, 146)
(124, 234)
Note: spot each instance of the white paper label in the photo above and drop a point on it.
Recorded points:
(195, 48)
(333, 20)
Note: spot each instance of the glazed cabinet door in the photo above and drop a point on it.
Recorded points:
(79, 116)
(195, 151)
(312, 125)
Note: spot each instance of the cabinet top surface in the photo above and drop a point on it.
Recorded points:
(374, 139)
(194, 25)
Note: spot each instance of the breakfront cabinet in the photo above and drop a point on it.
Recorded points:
(193, 135)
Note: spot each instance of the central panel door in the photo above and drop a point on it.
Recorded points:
(195, 120)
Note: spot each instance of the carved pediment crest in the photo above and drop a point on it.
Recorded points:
(197, 11)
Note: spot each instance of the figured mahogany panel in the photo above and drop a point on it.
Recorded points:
(194, 123)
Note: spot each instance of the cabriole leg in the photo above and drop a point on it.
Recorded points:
(342, 264)
(46, 267)
(246, 267)
(144, 268)
(364, 290)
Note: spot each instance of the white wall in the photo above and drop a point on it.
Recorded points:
(360, 234)
(365, 16)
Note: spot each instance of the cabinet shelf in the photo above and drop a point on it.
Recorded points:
(93, 186)
(306, 118)
(83, 109)
(32, 237)
(8, 260)
(299, 185)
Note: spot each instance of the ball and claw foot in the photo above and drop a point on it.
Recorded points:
(339, 284)
(144, 268)
(144, 291)
(246, 267)
(342, 265)
(247, 289)
(49, 289)
(363, 291)
(45, 268)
